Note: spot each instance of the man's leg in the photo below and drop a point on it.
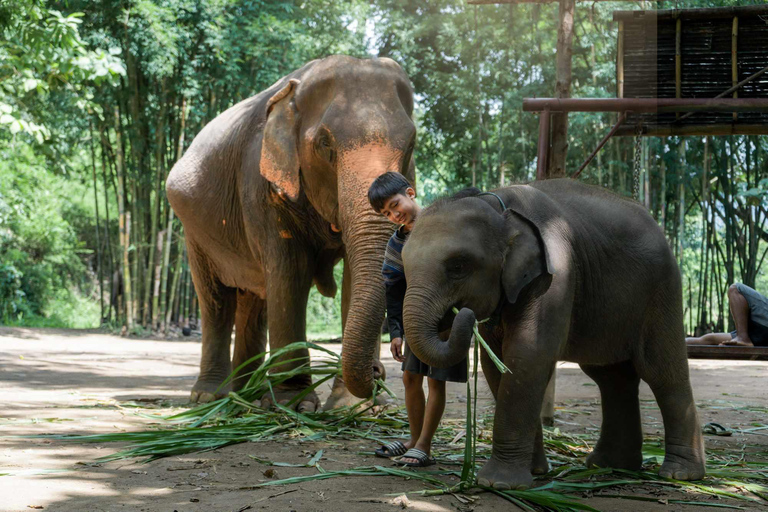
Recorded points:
(414, 404)
(434, 412)
(740, 312)
(713, 338)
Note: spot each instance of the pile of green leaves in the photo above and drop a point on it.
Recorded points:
(235, 419)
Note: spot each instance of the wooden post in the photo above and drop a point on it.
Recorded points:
(563, 68)
(735, 58)
(663, 198)
(620, 62)
(543, 154)
(678, 60)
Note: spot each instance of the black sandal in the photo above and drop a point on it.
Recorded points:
(391, 450)
(716, 429)
(422, 459)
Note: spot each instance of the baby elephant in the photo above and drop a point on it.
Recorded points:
(567, 272)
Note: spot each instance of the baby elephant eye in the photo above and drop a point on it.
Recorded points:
(456, 268)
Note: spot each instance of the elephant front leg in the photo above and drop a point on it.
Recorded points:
(288, 284)
(517, 443)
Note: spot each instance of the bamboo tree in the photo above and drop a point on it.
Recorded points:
(124, 227)
(172, 301)
(107, 237)
(98, 227)
(169, 230)
(158, 173)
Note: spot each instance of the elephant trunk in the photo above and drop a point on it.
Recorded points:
(366, 240)
(422, 313)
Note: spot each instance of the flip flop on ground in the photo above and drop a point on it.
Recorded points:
(391, 450)
(716, 429)
(422, 459)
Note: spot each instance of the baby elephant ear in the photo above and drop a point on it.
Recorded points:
(279, 154)
(526, 259)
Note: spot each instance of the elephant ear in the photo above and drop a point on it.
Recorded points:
(279, 162)
(526, 258)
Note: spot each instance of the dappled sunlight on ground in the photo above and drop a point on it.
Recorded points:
(79, 382)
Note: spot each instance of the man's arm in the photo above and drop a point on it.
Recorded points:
(395, 299)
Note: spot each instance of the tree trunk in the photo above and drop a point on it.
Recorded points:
(559, 150)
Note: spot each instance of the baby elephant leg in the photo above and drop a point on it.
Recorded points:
(621, 435)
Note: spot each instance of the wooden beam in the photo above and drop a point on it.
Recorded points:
(673, 14)
(727, 352)
(695, 130)
(507, 2)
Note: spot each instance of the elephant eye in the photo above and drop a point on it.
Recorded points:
(456, 267)
(324, 147)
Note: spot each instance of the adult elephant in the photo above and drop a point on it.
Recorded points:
(272, 193)
(568, 272)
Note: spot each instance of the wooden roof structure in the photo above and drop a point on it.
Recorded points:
(694, 53)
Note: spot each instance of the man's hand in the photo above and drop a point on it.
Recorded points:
(396, 347)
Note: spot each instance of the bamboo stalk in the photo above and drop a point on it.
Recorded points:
(158, 170)
(166, 257)
(107, 237)
(175, 285)
(158, 272)
(124, 223)
(98, 228)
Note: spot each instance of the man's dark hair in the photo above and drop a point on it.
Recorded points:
(385, 186)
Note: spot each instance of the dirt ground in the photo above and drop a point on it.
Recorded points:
(61, 381)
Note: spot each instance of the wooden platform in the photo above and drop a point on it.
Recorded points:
(718, 352)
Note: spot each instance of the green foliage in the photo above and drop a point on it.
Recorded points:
(39, 247)
(41, 53)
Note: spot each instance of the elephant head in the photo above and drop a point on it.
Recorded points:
(468, 253)
(331, 128)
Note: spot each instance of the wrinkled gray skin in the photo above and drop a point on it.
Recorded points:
(272, 193)
(584, 276)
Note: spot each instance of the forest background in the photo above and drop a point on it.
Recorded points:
(99, 98)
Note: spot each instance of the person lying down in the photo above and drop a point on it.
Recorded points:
(750, 316)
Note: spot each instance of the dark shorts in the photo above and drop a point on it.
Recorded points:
(456, 373)
(757, 327)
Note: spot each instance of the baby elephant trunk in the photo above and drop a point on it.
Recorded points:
(422, 317)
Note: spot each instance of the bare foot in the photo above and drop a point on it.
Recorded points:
(737, 342)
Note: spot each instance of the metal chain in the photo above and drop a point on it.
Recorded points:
(638, 150)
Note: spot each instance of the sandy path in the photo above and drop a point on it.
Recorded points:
(57, 381)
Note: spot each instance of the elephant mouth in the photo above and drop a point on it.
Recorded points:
(445, 323)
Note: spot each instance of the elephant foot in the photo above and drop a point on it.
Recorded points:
(504, 477)
(341, 397)
(206, 391)
(683, 463)
(540, 464)
(310, 403)
(615, 458)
